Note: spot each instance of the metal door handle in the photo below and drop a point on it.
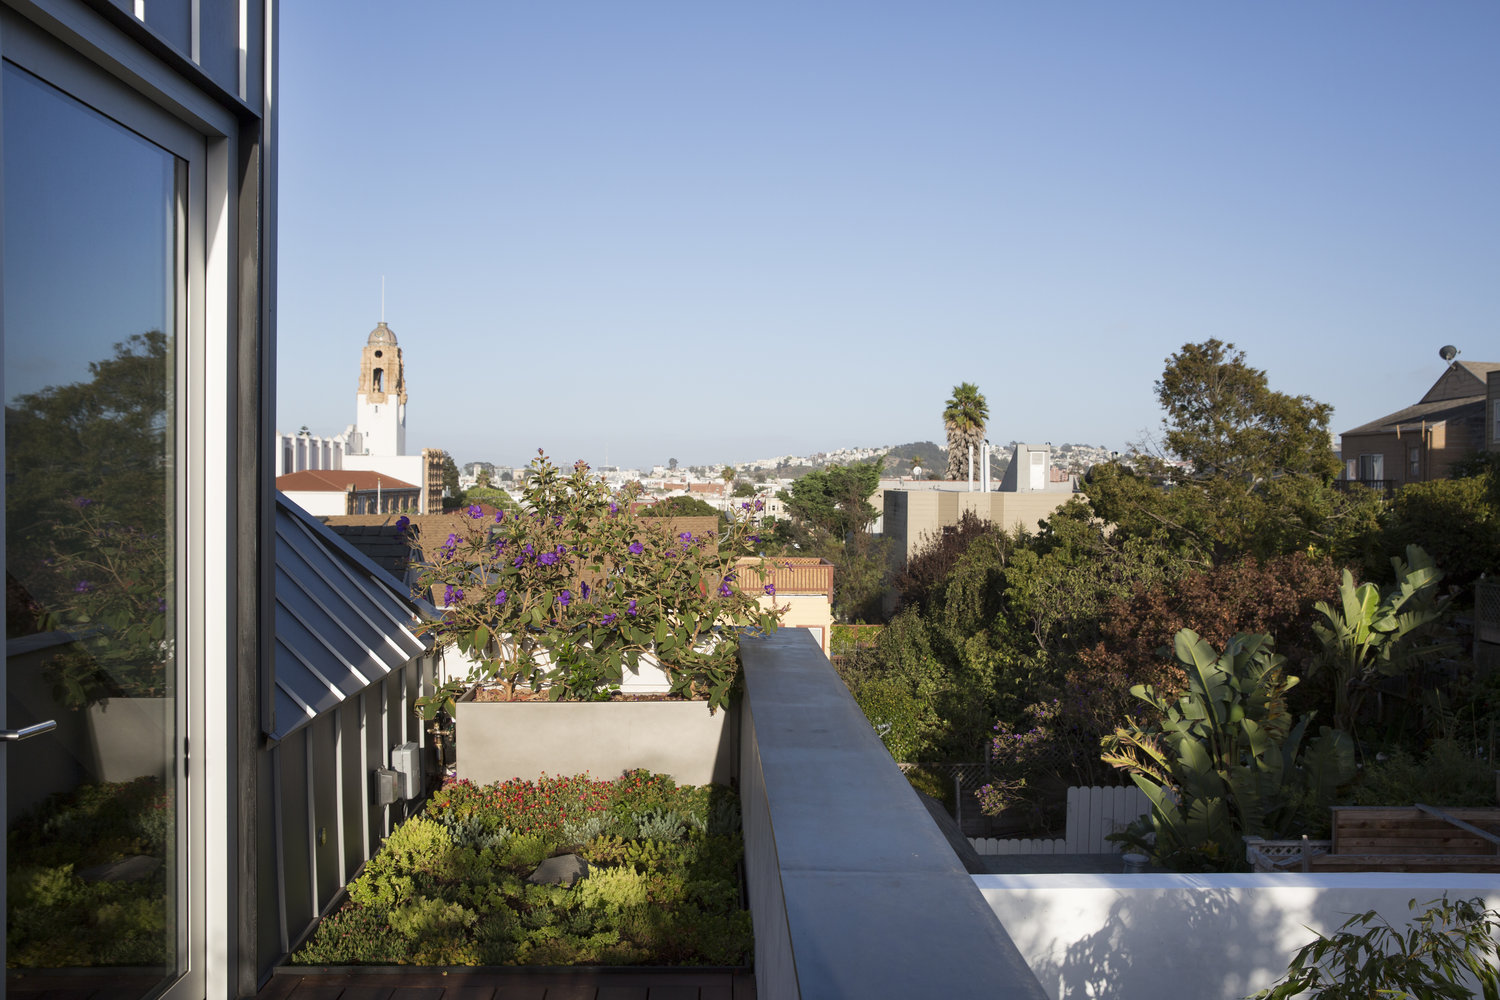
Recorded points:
(15, 735)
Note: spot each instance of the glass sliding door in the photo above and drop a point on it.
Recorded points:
(95, 293)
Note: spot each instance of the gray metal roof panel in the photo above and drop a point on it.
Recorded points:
(341, 624)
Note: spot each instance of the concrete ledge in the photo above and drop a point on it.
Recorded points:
(853, 889)
(1210, 937)
(498, 741)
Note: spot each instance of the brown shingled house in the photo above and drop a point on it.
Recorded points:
(1459, 415)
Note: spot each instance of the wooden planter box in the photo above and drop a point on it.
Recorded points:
(497, 741)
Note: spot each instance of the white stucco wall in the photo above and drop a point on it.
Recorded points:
(320, 504)
(1197, 937)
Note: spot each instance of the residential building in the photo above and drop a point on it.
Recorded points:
(801, 585)
(354, 491)
(916, 511)
(1457, 417)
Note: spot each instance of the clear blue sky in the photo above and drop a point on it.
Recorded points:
(718, 231)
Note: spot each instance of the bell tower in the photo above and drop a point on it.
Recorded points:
(380, 407)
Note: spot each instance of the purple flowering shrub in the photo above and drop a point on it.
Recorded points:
(565, 595)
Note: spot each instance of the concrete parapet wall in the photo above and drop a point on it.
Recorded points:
(853, 889)
(1120, 937)
(498, 741)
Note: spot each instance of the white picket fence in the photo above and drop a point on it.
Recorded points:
(1092, 814)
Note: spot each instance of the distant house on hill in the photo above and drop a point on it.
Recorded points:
(330, 492)
(1458, 416)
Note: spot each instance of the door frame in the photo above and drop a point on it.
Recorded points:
(76, 50)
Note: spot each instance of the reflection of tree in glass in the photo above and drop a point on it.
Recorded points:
(88, 486)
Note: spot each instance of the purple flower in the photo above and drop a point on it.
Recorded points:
(528, 549)
(630, 608)
(614, 508)
(519, 562)
(565, 598)
(562, 550)
(500, 597)
(499, 516)
(635, 548)
(609, 619)
(760, 505)
(755, 539)
(725, 590)
(547, 558)
(771, 590)
(161, 605)
(451, 544)
(557, 520)
(83, 587)
(476, 511)
(402, 523)
(499, 548)
(81, 502)
(452, 594)
(585, 589)
(687, 537)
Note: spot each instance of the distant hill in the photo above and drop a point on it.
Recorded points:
(900, 459)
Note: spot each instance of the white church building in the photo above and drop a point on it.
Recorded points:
(376, 441)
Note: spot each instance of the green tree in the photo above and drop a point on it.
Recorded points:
(450, 477)
(836, 500)
(489, 495)
(1225, 420)
(964, 416)
(1456, 520)
(743, 489)
(680, 506)
(831, 509)
(482, 481)
(1259, 470)
(89, 467)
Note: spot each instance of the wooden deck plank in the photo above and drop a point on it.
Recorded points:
(469, 993)
(572, 991)
(675, 992)
(623, 993)
(367, 992)
(416, 993)
(521, 990)
(314, 990)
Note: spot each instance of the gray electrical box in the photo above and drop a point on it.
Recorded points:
(406, 761)
(385, 785)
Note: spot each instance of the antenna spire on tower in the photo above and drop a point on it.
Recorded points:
(382, 298)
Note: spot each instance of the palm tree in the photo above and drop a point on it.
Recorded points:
(964, 417)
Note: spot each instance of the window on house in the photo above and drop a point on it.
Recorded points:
(1371, 468)
(1413, 463)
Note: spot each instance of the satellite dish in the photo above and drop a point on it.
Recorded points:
(1448, 352)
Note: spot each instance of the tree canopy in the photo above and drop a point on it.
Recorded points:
(1225, 420)
(680, 506)
(964, 416)
(835, 500)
